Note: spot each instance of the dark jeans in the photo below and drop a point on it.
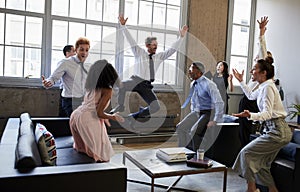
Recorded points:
(144, 89)
(69, 104)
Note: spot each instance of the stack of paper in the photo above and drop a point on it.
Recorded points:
(174, 154)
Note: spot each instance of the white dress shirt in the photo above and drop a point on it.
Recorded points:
(142, 56)
(268, 101)
(72, 75)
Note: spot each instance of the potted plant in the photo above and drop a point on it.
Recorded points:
(295, 112)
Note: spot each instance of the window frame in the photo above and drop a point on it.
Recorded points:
(46, 47)
(251, 42)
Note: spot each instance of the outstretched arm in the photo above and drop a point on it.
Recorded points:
(262, 53)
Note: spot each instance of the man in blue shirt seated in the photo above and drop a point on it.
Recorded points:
(207, 108)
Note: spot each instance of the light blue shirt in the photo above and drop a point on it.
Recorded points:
(72, 77)
(206, 96)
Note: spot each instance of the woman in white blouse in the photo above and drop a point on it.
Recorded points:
(254, 160)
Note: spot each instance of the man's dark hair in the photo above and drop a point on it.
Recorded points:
(67, 48)
(101, 75)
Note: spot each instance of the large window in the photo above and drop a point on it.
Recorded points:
(34, 32)
(240, 36)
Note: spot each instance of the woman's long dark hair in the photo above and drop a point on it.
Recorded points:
(101, 75)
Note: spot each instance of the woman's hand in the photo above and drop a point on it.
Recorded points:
(118, 118)
(245, 113)
(237, 75)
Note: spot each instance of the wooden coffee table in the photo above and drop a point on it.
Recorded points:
(147, 162)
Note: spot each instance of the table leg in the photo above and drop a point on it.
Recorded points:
(152, 184)
(225, 180)
(171, 186)
(124, 159)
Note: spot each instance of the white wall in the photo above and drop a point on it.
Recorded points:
(283, 40)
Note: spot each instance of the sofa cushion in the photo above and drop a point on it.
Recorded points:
(296, 136)
(289, 151)
(46, 145)
(64, 142)
(69, 156)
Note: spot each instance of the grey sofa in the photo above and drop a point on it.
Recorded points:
(21, 168)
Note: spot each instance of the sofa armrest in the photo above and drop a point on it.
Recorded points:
(297, 171)
(85, 177)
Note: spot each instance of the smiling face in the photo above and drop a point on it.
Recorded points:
(152, 47)
(82, 52)
(257, 74)
(220, 68)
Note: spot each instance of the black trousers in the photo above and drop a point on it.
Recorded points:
(70, 103)
(245, 127)
(145, 89)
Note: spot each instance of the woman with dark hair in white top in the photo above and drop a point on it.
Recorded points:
(254, 160)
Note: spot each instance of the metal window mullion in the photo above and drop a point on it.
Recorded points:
(4, 44)
(119, 56)
(25, 19)
(47, 40)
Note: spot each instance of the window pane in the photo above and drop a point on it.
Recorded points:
(1, 28)
(14, 30)
(131, 11)
(174, 2)
(56, 57)
(170, 39)
(145, 14)
(77, 9)
(76, 30)
(93, 32)
(15, 4)
(159, 16)
(94, 10)
(32, 63)
(59, 34)
(142, 35)
(239, 63)
(173, 17)
(242, 12)
(160, 41)
(170, 72)
(1, 60)
(13, 61)
(111, 11)
(110, 59)
(2, 3)
(35, 6)
(109, 40)
(60, 7)
(240, 40)
(34, 32)
(128, 68)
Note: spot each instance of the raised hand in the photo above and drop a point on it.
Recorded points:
(262, 24)
(122, 20)
(183, 30)
(237, 75)
(46, 83)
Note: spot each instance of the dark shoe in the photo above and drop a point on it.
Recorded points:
(118, 108)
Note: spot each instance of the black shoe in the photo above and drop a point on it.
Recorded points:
(118, 108)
